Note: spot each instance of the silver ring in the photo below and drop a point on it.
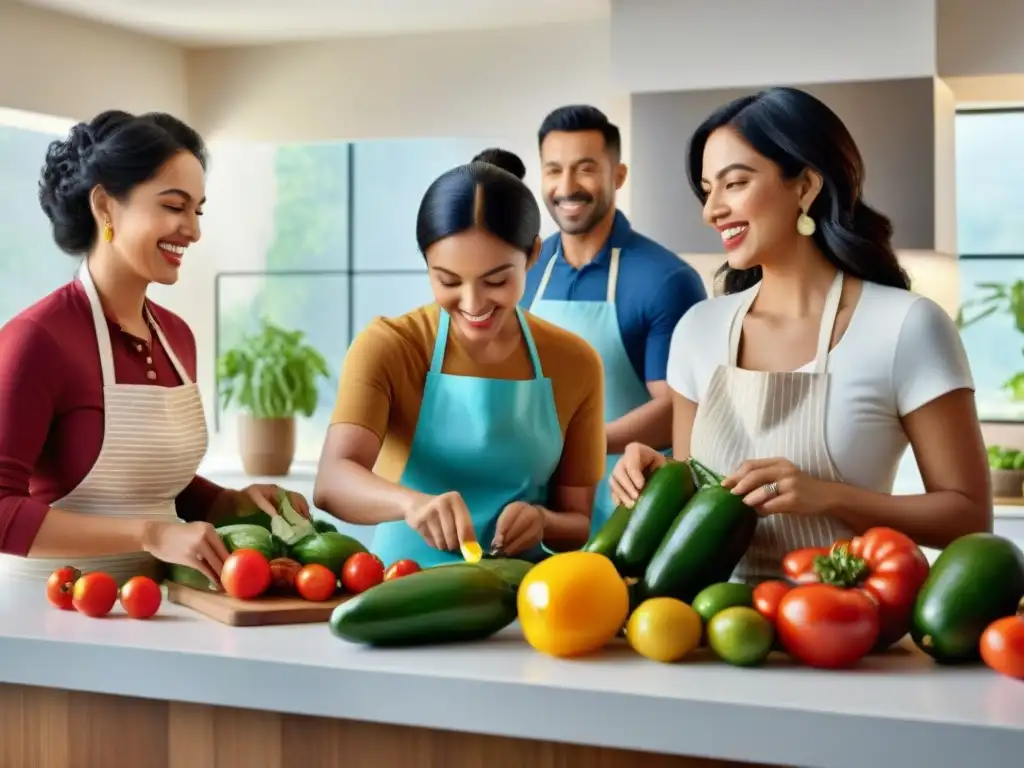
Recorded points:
(772, 489)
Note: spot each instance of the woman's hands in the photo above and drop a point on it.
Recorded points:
(775, 486)
(631, 472)
(520, 527)
(443, 521)
(265, 497)
(197, 545)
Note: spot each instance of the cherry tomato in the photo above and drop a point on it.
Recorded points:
(94, 594)
(362, 571)
(401, 568)
(283, 571)
(1002, 646)
(140, 597)
(316, 582)
(246, 574)
(826, 626)
(59, 587)
(768, 595)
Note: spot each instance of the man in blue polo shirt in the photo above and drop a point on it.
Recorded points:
(602, 280)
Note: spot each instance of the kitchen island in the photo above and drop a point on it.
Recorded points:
(182, 691)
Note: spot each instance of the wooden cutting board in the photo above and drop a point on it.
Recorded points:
(262, 611)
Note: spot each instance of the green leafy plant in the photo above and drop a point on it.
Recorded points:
(272, 374)
(997, 297)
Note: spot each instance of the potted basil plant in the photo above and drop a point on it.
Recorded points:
(271, 377)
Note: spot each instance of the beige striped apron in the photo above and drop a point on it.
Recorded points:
(755, 415)
(153, 441)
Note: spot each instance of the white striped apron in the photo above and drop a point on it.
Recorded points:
(757, 415)
(153, 441)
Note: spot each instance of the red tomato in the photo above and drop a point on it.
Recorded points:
(140, 597)
(283, 571)
(768, 595)
(94, 594)
(401, 568)
(316, 582)
(246, 574)
(882, 561)
(826, 626)
(1002, 646)
(59, 586)
(362, 571)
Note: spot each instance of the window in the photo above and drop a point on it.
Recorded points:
(990, 230)
(31, 265)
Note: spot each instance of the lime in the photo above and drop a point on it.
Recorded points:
(718, 597)
(740, 636)
(664, 629)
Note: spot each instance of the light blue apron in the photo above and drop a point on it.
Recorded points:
(494, 441)
(598, 323)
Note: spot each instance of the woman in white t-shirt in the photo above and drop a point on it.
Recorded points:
(805, 379)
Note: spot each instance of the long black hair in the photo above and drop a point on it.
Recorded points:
(797, 132)
(115, 150)
(479, 194)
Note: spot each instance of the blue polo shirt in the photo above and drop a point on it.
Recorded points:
(654, 290)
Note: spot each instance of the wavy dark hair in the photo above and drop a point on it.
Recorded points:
(115, 150)
(797, 132)
(479, 194)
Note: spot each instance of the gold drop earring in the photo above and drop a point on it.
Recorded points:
(805, 225)
(108, 232)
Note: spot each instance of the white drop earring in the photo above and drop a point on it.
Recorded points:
(805, 225)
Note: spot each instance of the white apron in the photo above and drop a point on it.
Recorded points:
(153, 441)
(758, 415)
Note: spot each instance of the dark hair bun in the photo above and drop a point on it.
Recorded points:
(507, 161)
(117, 151)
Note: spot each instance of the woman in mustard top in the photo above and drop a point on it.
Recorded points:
(468, 419)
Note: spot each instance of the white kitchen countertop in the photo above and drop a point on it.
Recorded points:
(900, 710)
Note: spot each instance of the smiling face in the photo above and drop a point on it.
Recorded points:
(749, 202)
(479, 279)
(158, 220)
(579, 179)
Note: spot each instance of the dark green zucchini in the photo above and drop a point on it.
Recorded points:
(453, 603)
(664, 494)
(703, 475)
(974, 581)
(608, 536)
(703, 546)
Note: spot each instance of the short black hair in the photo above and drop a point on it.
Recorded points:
(582, 117)
(797, 132)
(482, 195)
(116, 150)
(504, 159)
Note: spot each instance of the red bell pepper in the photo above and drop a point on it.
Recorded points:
(883, 562)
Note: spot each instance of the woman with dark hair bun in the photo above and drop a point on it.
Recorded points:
(504, 159)
(805, 381)
(468, 420)
(103, 428)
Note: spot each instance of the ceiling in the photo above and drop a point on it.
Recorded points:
(241, 22)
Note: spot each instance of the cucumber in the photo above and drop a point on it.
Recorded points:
(703, 546)
(189, 577)
(510, 569)
(330, 550)
(460, 602)
(607, 538)
(664, 494)
(324, 526)
(974, 581)
(250, 537)
(704, 475)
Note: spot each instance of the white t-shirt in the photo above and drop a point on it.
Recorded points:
(900, 351)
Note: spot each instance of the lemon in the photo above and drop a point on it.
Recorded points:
(664, 629)
(572, 604)
(471, 551)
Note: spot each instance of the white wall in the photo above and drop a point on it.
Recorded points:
(55, 65)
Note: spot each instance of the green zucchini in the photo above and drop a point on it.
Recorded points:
(324, 526)
(189, 577)
(453, 603)
(608, 536)
(251, 537)
(703, 546)
(666, 492)
(704, 476)
(512, 570)
(330, 550)
(974, 581)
